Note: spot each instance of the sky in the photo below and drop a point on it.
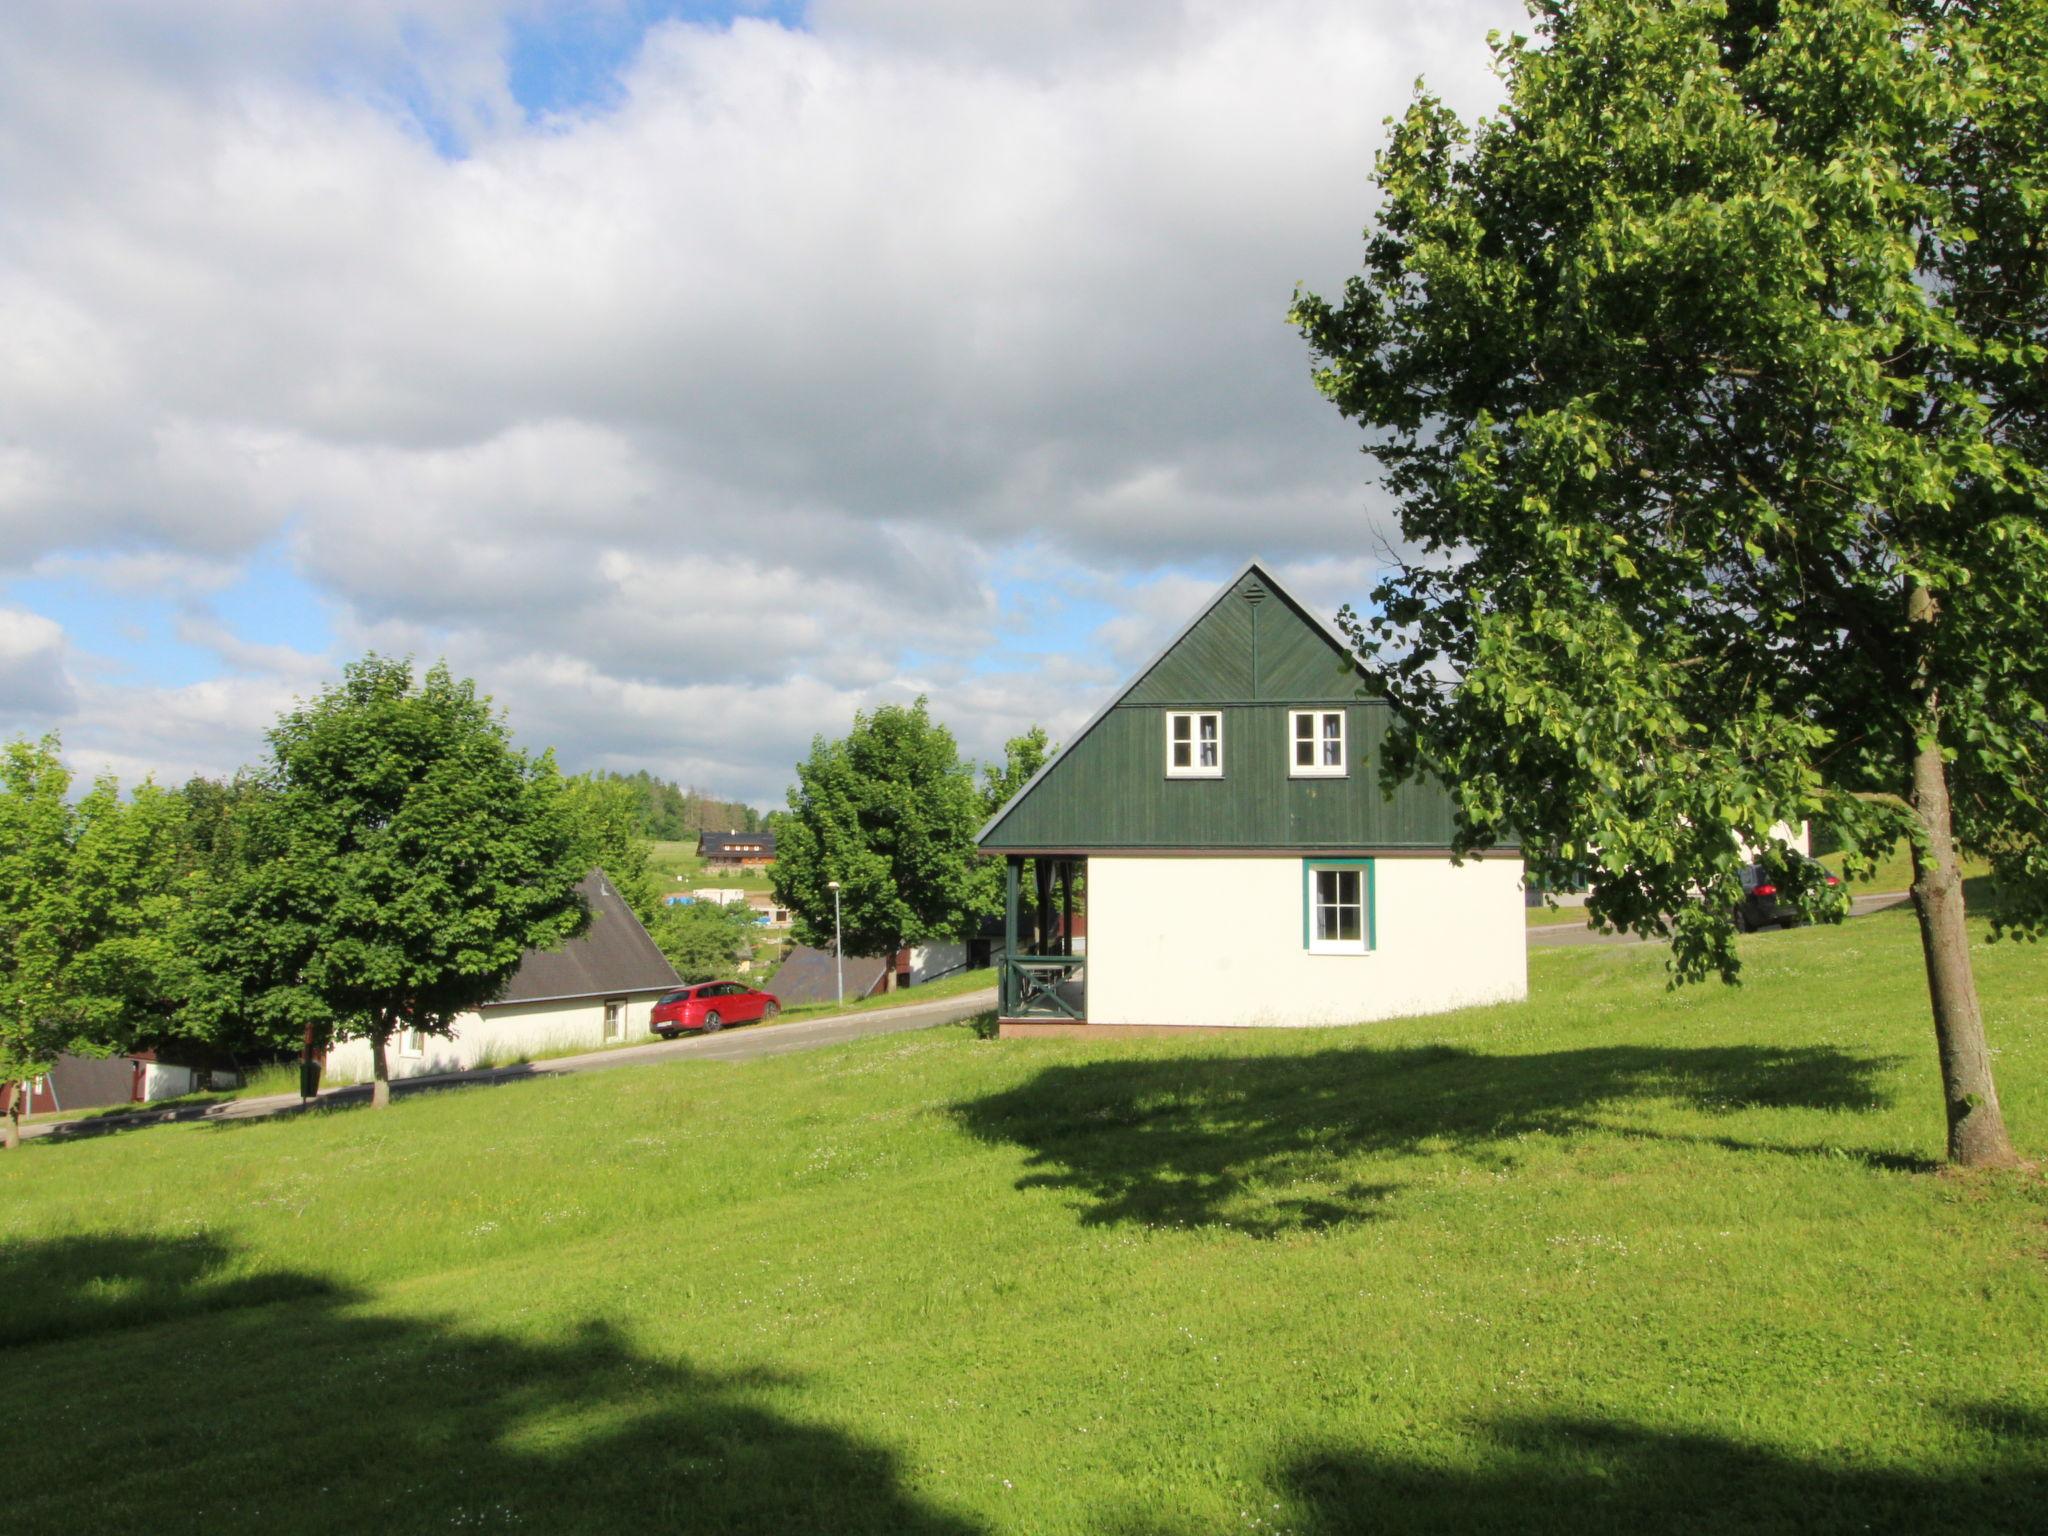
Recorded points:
(692, 375)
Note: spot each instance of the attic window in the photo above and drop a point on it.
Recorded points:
(1194, 744)
(1315, 744)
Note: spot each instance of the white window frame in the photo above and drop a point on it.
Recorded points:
(1311, 940)
(1196, 768)
(614, 1026)
(412, 1044)
(1320, 768)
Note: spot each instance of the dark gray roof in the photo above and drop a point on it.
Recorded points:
(615, 956)
(806, 976)
(716, 842)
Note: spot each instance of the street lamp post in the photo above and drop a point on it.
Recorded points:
(838, 949)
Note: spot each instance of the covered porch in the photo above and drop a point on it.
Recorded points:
(1045, 965)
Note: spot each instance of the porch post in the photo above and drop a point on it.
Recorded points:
(1010, 865)
(1041, 871)
(1067, 907)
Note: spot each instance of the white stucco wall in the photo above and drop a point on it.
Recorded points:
(1783, 833)
(500, 1036)
(166, 1082)
(940, 959)
(1219, 941)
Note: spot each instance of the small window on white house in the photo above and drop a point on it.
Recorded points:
(412, 1042)
(615, 1018)
(1194, 744)
(1316, 744)
(1338, 898)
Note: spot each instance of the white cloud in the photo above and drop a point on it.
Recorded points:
(693, 424)
(34, 685)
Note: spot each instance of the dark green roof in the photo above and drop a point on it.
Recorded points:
(1252, 653)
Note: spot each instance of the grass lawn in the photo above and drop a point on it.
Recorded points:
(676, 863)
(263, 1081)
(931, 992)
(1615, 1260)
(1894, 871)
(1553, 917)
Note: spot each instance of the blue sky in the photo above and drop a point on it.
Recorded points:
(693, 376)
(568, 58)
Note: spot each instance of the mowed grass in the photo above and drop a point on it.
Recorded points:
(677, 863)
(1619, 1259)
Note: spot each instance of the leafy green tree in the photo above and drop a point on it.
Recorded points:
(1022, 757)
(90, 904)
(1709, 379)
(412, 855)
(890, 812)
(704, 939)
(606, 811)
(667, 812)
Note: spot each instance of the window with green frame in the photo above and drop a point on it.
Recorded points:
(1337, 906)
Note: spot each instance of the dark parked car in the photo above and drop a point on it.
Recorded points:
(710, 1006)
(1762, 906)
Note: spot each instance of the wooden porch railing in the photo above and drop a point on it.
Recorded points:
(1031, 987)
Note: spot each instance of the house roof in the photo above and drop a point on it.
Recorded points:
(614, 956)
(718, 842)
(807, 976)
(1250, 567)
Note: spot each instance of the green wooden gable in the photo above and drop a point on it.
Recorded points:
(1253, 653)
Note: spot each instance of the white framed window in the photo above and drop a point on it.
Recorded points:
(1194, 744)
(1315, 744)
(412, 1042)
(615, 1018)
(1336, 906)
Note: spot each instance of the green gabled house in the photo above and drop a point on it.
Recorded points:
(1239, 864)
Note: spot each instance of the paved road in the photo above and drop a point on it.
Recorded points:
(1558, 935)
(726, 1045)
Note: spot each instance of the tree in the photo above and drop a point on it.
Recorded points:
(90, 899)
(1708, 378)
(413, 854)
(890, 812)
(606, 812)
(702, 939)
(1023, 756)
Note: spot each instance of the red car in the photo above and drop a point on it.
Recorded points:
(710, 1006)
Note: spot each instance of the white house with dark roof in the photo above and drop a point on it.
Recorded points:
(1219, 828)
(595, 990)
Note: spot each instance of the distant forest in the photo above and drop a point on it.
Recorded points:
(670, 813)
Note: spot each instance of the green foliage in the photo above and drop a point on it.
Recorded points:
(410, 854)
(91, 907)
(1685, 370)
(665, 812)
(606, 811)
(703, 939)
(890, 812)
(1022, 757)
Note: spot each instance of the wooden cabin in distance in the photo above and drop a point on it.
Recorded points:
(1241, 866)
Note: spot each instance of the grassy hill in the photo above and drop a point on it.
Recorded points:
(1619, 1259)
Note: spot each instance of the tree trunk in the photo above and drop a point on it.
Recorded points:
(1976, 1128)
(10, 1134)
(380, 1068)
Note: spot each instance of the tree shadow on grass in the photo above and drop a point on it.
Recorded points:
(1579, 1475)
(282, 1402)
(1248, 1141)
(220, 1112)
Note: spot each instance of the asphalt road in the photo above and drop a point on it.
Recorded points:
(1556, 935)
(727, 1045)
